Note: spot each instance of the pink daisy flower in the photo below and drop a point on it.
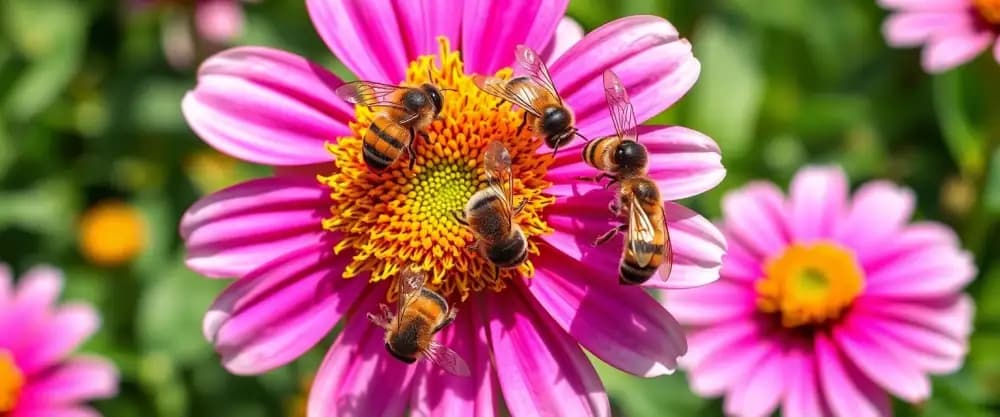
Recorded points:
(953, 32)
(216, 23)
(322, 241)
(37, 376)
(826, 303)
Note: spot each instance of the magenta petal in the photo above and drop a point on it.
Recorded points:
(64, 411)
(493, 29)
(915, 28)
(568, 33)
(421, 23)
(848, 392)
(729, 364)
(267, 106)
(951, 49)
(643, 340)
(951, 316)
(365, 36)
(893, 373)
(55, 337)
(581, 214)
(357, 360)
(926, 273)
(711, 304)
(929, 350)
(77, 380)
(996, 50)
(914, 238)
(683, 162)
(756, 219)
(656, 66)
(760, 392)
(925, 5)
(540, 369)
(277, 312)
(236, 230)
(706, 342)
(38, 289)
(877, 213)
(802, 397)
(818, 197)
(440, 394)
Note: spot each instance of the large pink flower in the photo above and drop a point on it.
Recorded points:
(952, 31)
(827, 303)
(37, 375)
(292, 240)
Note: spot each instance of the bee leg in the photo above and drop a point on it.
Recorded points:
(598, 177)
(524, 122)
(613, 180)
(613, 207)
(610, 234)
(452, 311)
(520, 207)
(460, 217)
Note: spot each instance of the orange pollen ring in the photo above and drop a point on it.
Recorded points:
(11, 382)
(989, 10)
(400, 217)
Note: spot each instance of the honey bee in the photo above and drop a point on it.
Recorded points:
(420, 314)
(537, 95)
(490, 213)
(403, 112)
(647, 243)
(619, 156)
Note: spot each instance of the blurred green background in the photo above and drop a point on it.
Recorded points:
(89, 113)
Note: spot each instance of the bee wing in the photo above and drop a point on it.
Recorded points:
(640, 233)
(368, 93)
(497, 162)
(622, 113)
(409, 283)
(522, 97)
(668, 256)
(447, 359)
(536, 69)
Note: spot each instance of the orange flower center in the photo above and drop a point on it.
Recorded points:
(111, 233)
(11, 381)
(399, 217)
(809, 284)
(989, 10)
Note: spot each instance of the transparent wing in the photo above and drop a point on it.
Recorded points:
(668, 256)
(536, 69)
(409, 282)
(496, 163)
(622, 113)
(520, 96)
(640, 233)
(447, 359)
(368, 93)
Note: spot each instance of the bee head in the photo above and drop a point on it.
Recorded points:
(435, 94)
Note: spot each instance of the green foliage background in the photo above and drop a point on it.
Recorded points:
(89, 110)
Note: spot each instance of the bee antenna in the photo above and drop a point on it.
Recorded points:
(449, 89)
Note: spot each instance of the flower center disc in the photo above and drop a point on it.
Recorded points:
(809, 284)
(399, 216)
(11, 381)
(989, 10)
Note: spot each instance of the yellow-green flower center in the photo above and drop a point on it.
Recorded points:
(989, 10)
(809, 284)
(400, 216)
(11, 381)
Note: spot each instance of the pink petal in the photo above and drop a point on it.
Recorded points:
(219, 20)
(580, 215)
(881, 365)
(818, 197)
(996, 50)
(493, 29)
(847, 391)
(267, 106)
(877, 213)
(39, 288)
(279, 311)
(930, 351)
(76, 380)
(422, 22)
(441, 394)
(802, 397)
(6, 284)
(236, 230)
(949, 316)
(924, 5)
(914, 238)
(760, 392)
(712, 304)
(365, 36)
(915, 28)
(756, 219)
(740, 262)
(540, 369)
(707, 342)
(728, 365)
(683, 162)
(568, 33)
(949, 50)
(43, 411)
(656, 66)
(56, 337)
(644, 340)
(357, 360)
(927, 273)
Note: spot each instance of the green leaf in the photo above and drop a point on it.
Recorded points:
(726, 100)
(954, 102)
(991, 191)
(665, 396)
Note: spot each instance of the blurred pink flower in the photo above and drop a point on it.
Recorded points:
(953, 32)
(37, 375)
(216, 22)
(291, 240)
(826, 303)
